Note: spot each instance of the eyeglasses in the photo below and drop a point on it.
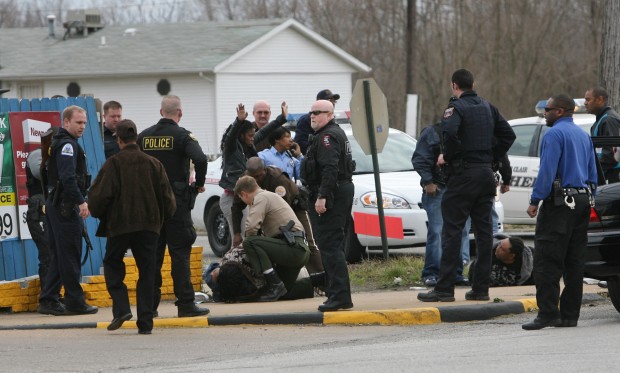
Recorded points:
(548, 109)
(317, 112)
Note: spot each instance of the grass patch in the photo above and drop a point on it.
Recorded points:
(379, 274)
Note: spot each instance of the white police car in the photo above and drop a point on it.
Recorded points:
(524, 155)
(406, 221)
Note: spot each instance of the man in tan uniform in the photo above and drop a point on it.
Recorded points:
(272, 216)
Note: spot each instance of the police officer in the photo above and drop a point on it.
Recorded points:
(566, 182)
(474, 134)
(174, 146)
(112, 115)
(607, 124)
(327, 171)
(66, 210)
(35, 216)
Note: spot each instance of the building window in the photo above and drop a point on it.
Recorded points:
(163, 87)
(73, 89)
(31, 90)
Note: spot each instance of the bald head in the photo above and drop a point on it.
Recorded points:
(261, 112)
(321, 113)
(171, 107)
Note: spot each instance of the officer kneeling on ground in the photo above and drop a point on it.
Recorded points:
(282, 244)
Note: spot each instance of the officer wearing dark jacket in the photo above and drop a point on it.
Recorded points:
(474, 134)
(132, 197)
(174, 146)
(304, 130)
(112, 115)
(66, 210)
(327, 170)
(607, 124)
(272, 179)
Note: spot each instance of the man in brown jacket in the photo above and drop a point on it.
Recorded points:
(132, 197)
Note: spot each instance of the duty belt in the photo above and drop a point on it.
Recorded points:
(570, 191)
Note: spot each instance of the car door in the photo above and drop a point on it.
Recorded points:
(523, 155)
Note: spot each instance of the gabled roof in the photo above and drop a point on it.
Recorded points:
(170, 48)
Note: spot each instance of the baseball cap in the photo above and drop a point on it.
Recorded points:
(326, 94)
(126, 129)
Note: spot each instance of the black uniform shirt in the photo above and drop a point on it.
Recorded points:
(173, 146)
(68, 165)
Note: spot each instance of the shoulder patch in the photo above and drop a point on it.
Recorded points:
(67, 149)
(191, 136)
(281, 191)
(448, 113)
(326, 141)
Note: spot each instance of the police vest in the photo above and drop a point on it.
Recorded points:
(81, 173)
(477, 125)
(310, 170)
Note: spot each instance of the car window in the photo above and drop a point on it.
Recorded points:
(523, 143)
(395, 157)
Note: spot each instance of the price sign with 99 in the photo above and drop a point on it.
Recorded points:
(8, 222)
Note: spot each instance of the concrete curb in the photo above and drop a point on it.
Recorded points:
(412, 316)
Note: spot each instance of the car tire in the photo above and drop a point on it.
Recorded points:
(613, 287)
(353, 249)
(218, 231)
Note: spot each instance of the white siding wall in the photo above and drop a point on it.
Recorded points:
(141, 101)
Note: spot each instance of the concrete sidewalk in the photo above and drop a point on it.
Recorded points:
(371, 308)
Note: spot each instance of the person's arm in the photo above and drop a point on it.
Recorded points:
(66, 161)
(264, 132)
(450, 127)
(194, 152)
(503, 133)
(302, 132)
(423, 158)
(328, 157)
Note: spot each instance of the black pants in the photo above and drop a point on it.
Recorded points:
(65, 269)
(38, 227)
(561, 239)
(470, 193)
(328, 232)
(179, 234)
(143, 246)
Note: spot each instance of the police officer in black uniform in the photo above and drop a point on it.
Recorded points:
(174, 146)
(66, 209)
(112, 115)
(474, 134)
(327, 171)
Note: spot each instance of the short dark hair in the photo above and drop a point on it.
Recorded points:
(277, 134)
(111, 105)
(599, 91)
(126, 131)
(516, 246)
(563, 101)
(463, 78)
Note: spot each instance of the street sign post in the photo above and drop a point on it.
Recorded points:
(369, 120)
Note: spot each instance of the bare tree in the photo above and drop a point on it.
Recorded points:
(610, 60)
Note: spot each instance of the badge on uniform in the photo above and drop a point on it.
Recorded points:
(281, 191)
(326, 142)
(191, 136)
(448, 113)
(67, 150)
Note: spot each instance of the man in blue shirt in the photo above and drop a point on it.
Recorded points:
(284, 153)
(567, 158)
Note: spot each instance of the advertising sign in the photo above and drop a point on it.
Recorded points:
(26, 130)
(8, 213)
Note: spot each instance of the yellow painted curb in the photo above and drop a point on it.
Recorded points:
(417, 316)
(175, 322)
(529, 304)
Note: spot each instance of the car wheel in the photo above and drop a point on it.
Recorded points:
(613, 286)
(218, 232)
(353, 249)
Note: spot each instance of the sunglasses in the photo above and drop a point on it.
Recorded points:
(317, 112)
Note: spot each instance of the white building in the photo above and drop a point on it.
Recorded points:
(212, 66)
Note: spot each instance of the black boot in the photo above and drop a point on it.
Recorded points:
(276, 288)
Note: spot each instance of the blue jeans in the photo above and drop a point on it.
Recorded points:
(432, 256)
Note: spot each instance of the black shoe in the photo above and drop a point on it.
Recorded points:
(144, 331)
(436, 296)
(84, 310)
(55, 308)
(332, 305)
(192, 311)
(539, 323)
(276, 288)
(117, 322)
(472, 295)
(568, 323)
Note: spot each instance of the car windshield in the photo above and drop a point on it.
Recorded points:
(395, 157)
